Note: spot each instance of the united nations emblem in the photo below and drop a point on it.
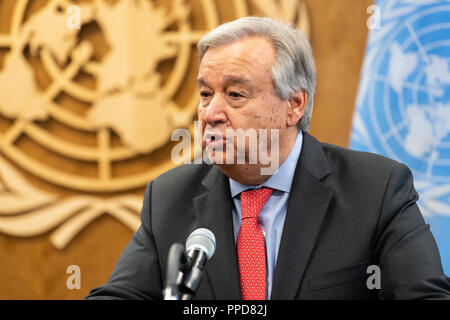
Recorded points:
(90, 111)
(408, 111)
(403, 106)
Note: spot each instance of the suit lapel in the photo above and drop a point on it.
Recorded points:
(214, 211)
(307, 206)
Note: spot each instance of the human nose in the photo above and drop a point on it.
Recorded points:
(215, 111)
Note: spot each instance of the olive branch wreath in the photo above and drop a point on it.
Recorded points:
(27, 211)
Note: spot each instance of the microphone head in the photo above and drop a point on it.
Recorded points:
(202, 239)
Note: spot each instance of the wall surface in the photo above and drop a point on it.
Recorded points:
(72, 179)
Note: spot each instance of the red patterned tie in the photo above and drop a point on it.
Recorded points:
(250, 245)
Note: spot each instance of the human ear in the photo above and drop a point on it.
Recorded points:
(296, 107)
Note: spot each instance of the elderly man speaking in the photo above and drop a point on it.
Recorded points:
(310, 229)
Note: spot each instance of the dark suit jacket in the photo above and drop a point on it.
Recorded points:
(347, 210)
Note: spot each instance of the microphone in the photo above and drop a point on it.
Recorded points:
(200, 246)
(177, 261)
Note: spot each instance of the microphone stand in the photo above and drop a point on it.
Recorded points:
(192, 279)
(176, 262)
(184, 273)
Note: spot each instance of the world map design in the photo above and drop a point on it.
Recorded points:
(129, 97)
(87, 113)
(403, 103)
(403, 107)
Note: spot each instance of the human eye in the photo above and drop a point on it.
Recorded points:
(204, 94)
(235, 94)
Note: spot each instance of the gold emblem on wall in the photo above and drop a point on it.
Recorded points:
(90, 111)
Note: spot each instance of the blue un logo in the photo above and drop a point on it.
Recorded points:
(403, 105)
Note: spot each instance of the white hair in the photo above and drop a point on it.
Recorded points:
(294, 67)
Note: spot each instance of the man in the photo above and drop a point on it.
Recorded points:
(308, 230)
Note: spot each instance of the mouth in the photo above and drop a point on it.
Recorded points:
(214, 139)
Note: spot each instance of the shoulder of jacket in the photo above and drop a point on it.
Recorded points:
(365, 165)
(182, 176)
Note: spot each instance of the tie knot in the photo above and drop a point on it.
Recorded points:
(253, 201)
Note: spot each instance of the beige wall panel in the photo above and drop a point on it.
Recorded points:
(32, 266)
(338, 37)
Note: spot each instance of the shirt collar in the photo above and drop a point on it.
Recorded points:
(282, 178)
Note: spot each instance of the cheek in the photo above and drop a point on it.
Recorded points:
(276, 117)
(273, 114)
(259, 117)
(267, 112)
(201, 118)
(199, 111)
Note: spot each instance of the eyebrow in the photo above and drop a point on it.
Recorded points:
(236, 80)
(228, 80)
(201, 82)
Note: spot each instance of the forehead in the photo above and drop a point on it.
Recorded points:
(248, 58)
